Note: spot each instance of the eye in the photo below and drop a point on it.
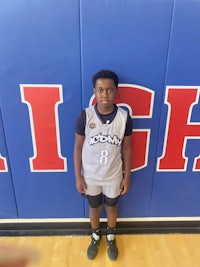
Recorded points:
(110, 91)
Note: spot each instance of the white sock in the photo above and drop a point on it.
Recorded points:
(110, 237)
(95, 236)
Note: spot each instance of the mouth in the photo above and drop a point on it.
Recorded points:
(105, 101)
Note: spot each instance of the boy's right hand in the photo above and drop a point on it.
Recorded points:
(81, 185)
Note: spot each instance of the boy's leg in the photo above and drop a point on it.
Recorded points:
(92, 250)
(95, 206)
(111, 196)
(94, 214)
(110, 237)
(112, 213)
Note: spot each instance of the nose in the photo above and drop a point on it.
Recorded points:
(105, 93)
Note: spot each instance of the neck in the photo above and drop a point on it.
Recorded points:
(105, 110)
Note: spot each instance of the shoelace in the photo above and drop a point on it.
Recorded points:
(93, 241)
(111, 244)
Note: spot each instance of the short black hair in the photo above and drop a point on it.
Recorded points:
(105, 74)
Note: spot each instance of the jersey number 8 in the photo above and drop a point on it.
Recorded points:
(104, 157)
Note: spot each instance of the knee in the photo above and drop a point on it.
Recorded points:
(110, 202)
(95, 201)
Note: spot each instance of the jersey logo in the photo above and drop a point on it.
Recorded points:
(100, 138)
(92, 125)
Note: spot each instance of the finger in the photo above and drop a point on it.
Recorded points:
(85, 186)
(124, 190)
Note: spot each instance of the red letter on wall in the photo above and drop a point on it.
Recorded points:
(139, 101)
(3, 164)
(180, 101)
(43, 101)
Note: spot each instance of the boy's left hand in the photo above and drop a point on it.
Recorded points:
(124, 187)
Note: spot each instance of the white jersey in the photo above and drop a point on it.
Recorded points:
(101, 154)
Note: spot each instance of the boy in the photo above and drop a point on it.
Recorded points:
(102, 142)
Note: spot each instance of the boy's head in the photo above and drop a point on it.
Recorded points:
(105, 74)
(105, 84)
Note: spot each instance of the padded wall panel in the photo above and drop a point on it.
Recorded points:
(52, 49)
(131, 38)
(176, 193)
(40, 45)
(8, 208)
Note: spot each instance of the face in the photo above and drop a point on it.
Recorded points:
(105, 93)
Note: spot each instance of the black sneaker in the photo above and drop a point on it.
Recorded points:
(93, 248)
(112, 249)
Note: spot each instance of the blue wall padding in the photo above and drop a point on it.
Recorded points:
(152, 44)
(8, 207)
(177, 193)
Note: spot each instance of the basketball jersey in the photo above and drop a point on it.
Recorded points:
(101, 154)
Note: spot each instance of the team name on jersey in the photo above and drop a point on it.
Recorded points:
(100, 138)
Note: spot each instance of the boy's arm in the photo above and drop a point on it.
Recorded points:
(126, 155)
(78, 145)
